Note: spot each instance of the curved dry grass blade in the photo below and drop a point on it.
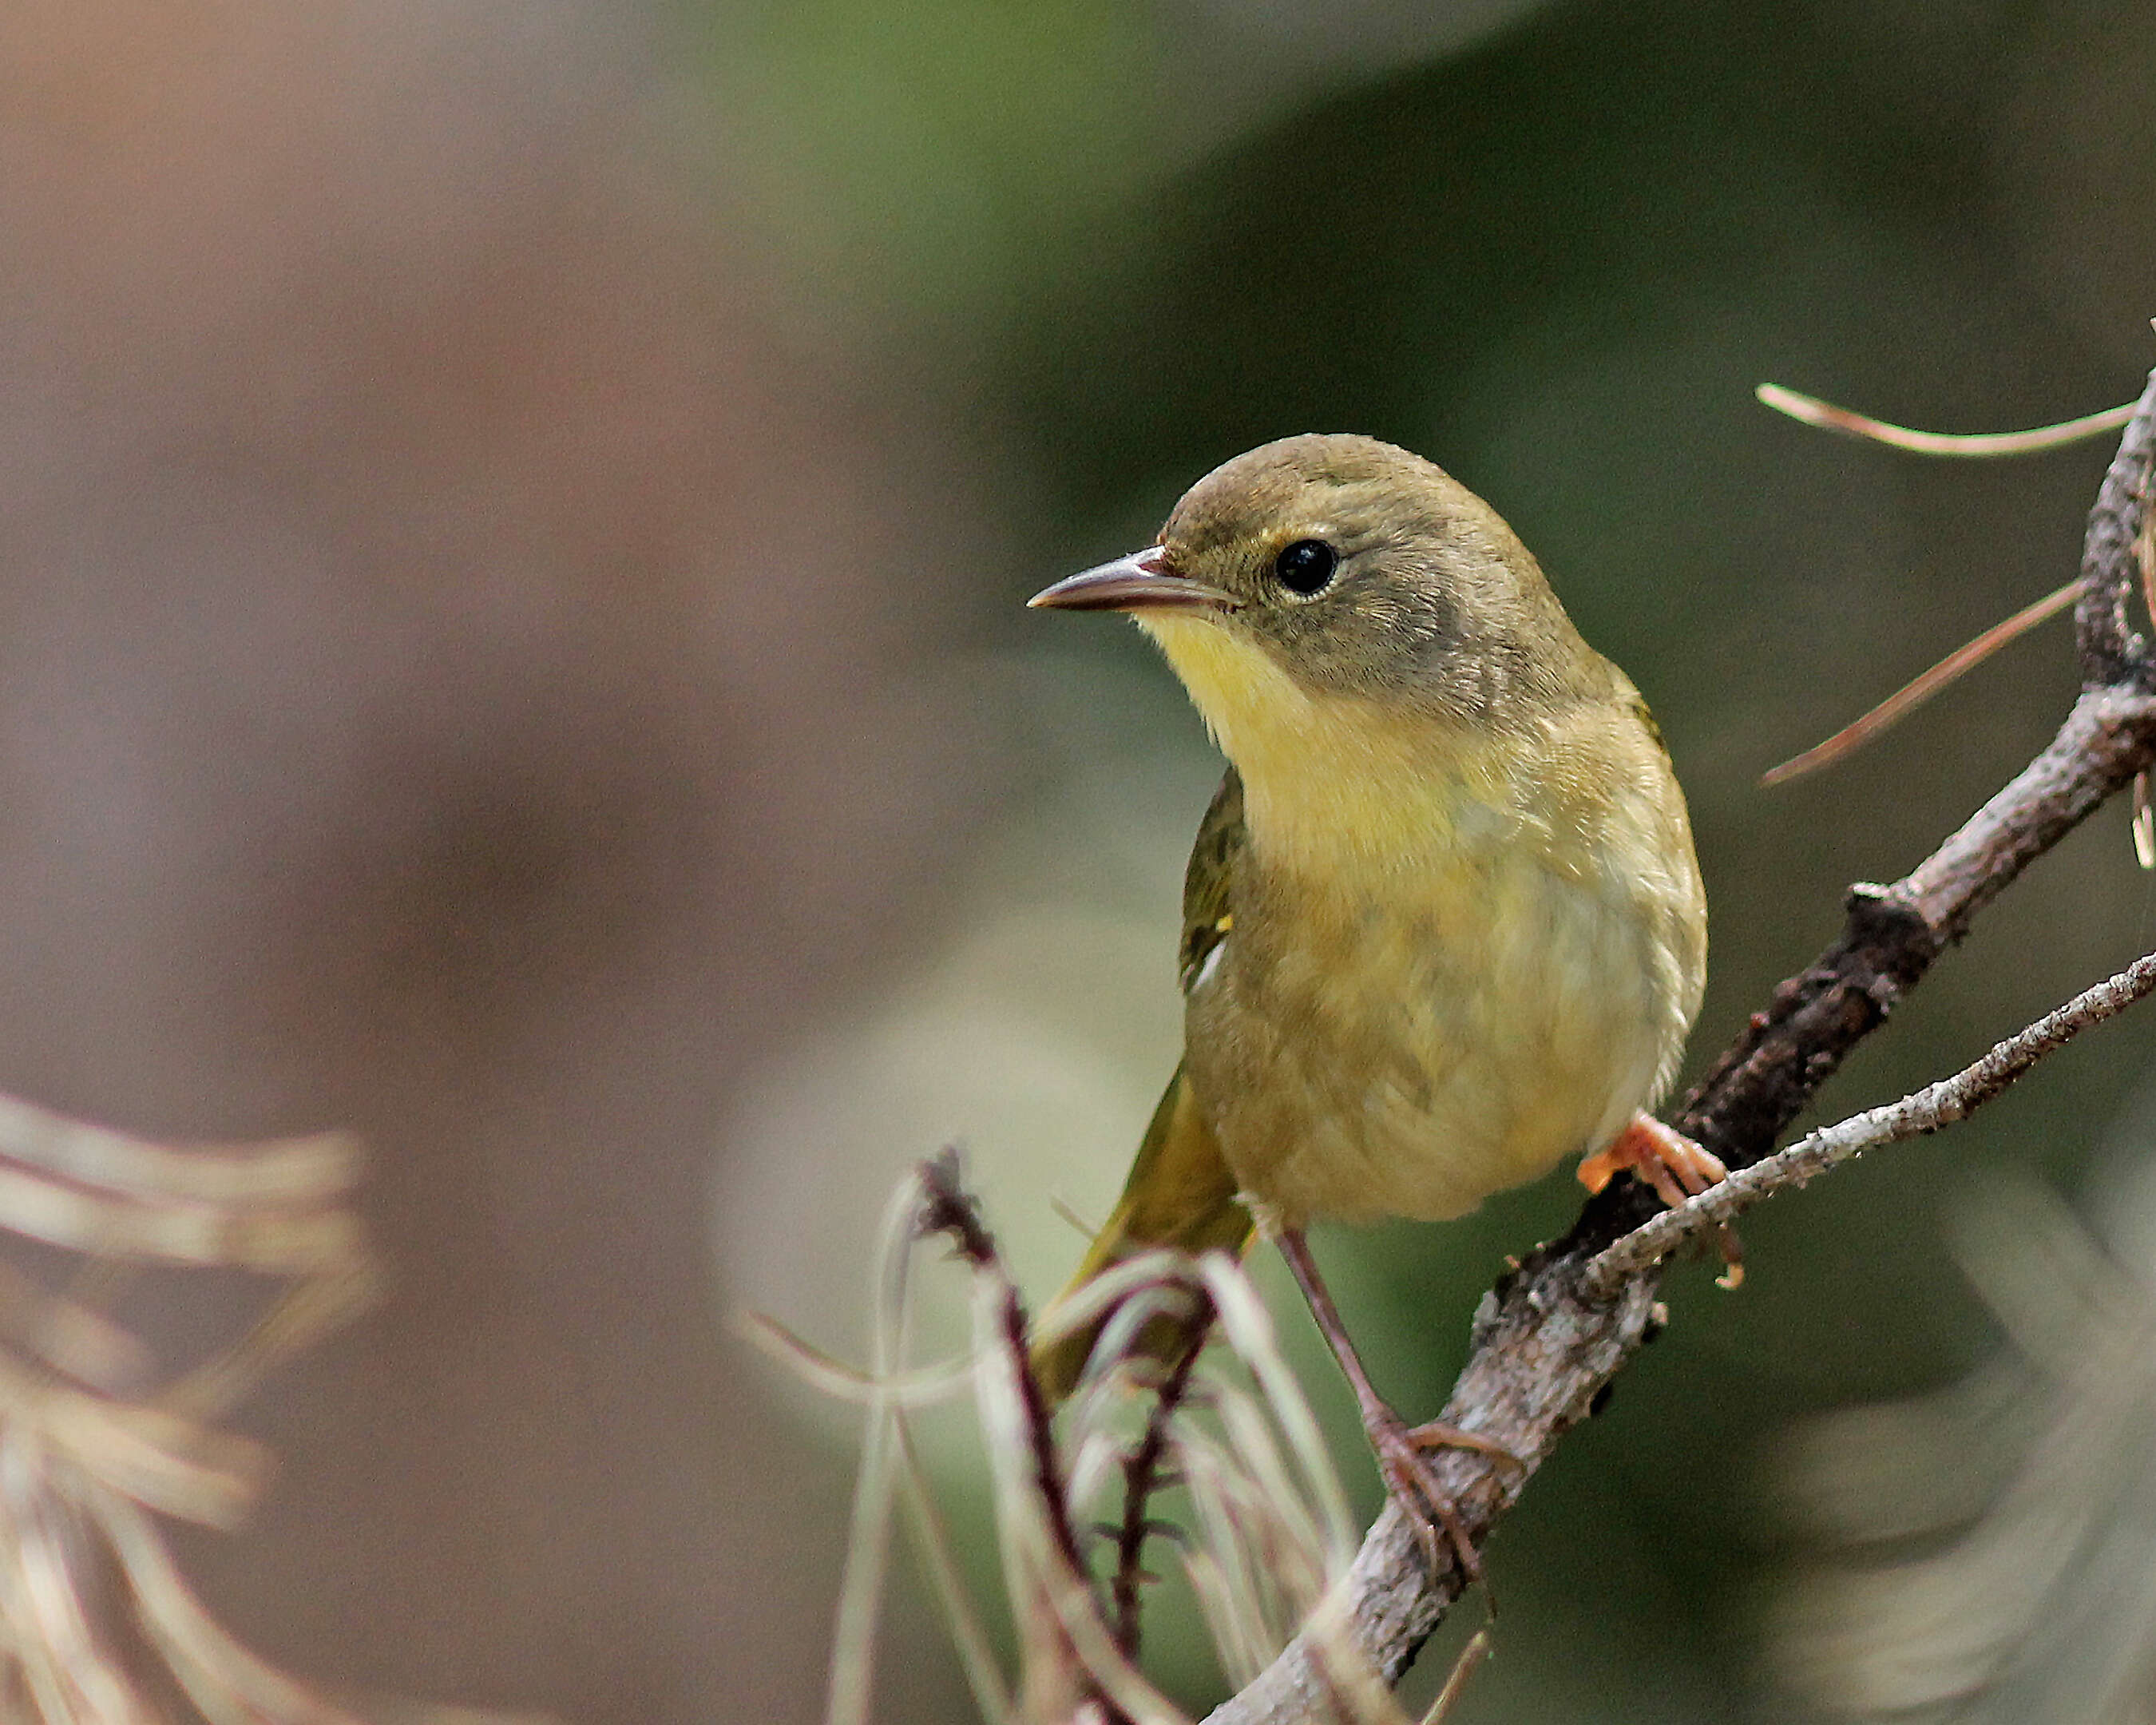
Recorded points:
(1117, 1345)
(68, 1673)
(1158, 1269)
(868, 1543)
(226, 1682)
(919, 1387)
(159, 1459)
(1297, 1549)
(69, 1337)
(1277, 1537)
(1810, 410)
(1096, 1459)
(1238, 1657)
(1914, 693)
(1120, 1681)
(1040, 1572)
(1237, 1530)
(1068, 1212)
(299, 1318)
(1119, 1364)
(976, 1650)
(1456, 1682)
(1274, 1534)
(1365, 1698)
(1210, 1479)
(1028, 1544)
(54, 1209)
(1249, 1334)
(279, 1174)
(860, 1595)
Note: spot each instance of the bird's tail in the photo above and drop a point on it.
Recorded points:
(1179, 1194)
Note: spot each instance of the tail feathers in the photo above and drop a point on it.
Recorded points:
(1179, 1194)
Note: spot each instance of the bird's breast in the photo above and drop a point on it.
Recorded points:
(1403, 1027)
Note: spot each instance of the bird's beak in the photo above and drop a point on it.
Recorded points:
(1141, 581)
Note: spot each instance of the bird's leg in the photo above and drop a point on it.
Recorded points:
(1400, 1447)
(1676, 1168)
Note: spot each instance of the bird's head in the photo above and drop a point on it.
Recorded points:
(1325, 567)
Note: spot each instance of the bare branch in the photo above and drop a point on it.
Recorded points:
(1141, 1474)
(947, 1207)
(1925, 1111)
(2110, 653)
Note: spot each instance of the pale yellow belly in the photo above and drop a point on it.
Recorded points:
(1410, 1055)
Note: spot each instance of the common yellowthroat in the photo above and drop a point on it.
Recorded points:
(1443, 924)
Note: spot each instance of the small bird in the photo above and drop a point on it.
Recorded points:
(1443, 924)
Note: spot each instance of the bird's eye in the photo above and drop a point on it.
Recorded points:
(1307, 565)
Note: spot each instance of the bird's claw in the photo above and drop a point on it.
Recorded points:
(1663, 1157)
(1675, 1167)
(1421, 1496)
(1437, 1435)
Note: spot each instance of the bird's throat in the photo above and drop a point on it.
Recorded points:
(1328, 780)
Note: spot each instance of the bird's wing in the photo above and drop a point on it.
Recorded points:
(1646, 714)
(1206, 883)
(1180, 1191)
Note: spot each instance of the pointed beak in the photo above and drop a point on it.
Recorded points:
(1141, 581)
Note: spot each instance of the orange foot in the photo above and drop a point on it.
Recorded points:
(1672, 1164)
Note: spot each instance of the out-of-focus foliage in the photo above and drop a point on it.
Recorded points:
(2007, 1517)
(97, 1626)
(514, 521)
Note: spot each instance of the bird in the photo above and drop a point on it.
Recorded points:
(1443, 924)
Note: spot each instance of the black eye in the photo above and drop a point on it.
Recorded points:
(1306, 565)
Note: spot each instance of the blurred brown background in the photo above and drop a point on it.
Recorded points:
(510, 526)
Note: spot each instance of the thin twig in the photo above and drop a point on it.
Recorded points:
(947, 1207)
(1926, 1111)
(1922, 688)
(1141, 1474)
(1812, 410)
(1455, 1684)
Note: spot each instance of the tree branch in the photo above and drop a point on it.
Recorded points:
(1937, 1105)
(1141, 1474)
(1543, 1344)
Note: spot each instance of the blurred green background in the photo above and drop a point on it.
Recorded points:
(516, 520)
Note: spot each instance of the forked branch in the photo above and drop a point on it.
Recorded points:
(1925, 1111)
